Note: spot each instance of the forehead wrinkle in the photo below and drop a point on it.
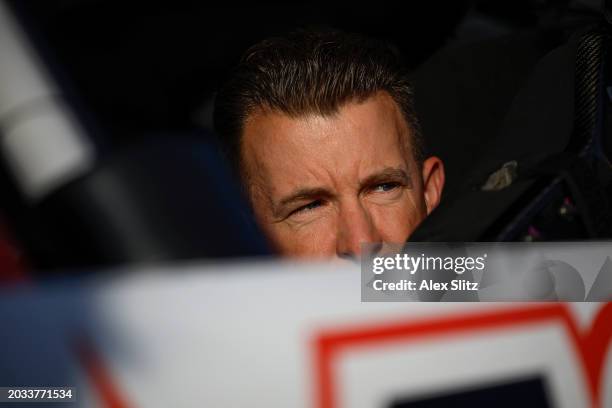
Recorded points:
(310, 123)
(317, 181)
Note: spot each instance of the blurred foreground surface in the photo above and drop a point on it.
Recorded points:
(295, 335)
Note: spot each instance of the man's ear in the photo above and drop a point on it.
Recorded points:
(433, 182)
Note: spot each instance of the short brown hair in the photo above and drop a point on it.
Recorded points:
(311, 71)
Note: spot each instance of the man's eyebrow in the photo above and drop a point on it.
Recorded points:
(388, 174)
(301, 194)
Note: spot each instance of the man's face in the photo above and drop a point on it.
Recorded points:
(322, 185)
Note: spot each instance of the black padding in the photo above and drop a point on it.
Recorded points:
(463, 94)
(537, 123)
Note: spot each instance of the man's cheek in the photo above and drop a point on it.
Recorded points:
(313, 239)
(396, 222)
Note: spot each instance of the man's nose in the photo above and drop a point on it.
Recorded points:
(356, 227)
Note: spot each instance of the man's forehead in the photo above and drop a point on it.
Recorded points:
(357, 122)
(280, 148)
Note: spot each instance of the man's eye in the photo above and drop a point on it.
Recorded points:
(308, 207)
(385, 187)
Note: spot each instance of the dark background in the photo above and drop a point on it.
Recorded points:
(142, 76)
(143, 67)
